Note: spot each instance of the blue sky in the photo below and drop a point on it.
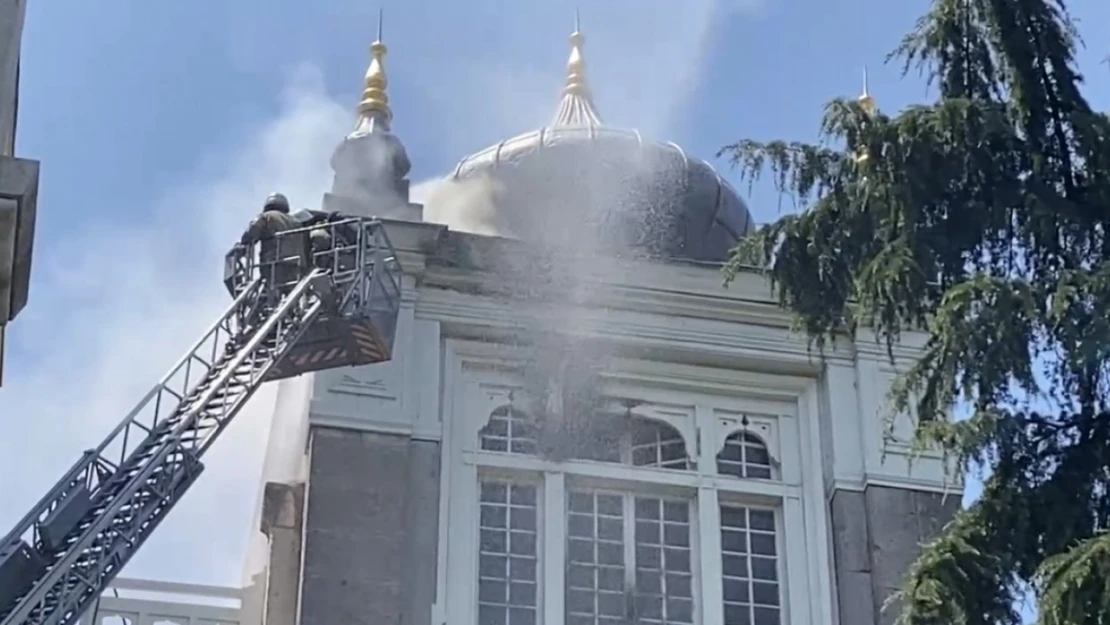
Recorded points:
(160, 126)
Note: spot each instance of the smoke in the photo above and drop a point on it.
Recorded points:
(464, 205)
(580, 205)
(580, 202)
(371, 166)
(115, 306)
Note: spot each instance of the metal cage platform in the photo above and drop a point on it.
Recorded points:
(360, 286)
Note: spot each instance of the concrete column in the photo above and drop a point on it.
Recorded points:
(877, 535)
(282, 515)
(371, 529)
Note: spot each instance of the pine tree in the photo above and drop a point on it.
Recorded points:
(983, 219)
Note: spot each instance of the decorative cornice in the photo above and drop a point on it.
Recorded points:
(906, 483)
(488, 363)
(326, 419)
(694, 341)
(458, 284)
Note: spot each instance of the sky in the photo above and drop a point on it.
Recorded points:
(161, 126)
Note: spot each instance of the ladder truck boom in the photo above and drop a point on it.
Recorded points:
(339, 308)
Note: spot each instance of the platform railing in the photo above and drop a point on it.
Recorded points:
(352, 244)
(146, 602)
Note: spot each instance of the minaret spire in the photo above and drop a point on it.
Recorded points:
(576, 108)
(866, 102)
(371, 164)
(373, 109)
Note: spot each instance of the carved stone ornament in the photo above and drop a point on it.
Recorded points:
(371, 387)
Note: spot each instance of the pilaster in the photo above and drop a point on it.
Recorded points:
(282, 523)
(877, 535)
(884, 501)
(391, 396)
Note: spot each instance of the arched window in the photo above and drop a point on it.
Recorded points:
(658, 444)
(509, 430)
(610, 438)
(636, 441)
(744, 455)
(606, 516)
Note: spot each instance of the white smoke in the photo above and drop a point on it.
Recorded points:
(466, 205)
(113, 307)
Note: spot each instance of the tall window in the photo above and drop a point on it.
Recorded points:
(507, 560)
(625, 548)
(749, 563)
(629, 559)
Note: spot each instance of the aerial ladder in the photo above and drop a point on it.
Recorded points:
(291, 314)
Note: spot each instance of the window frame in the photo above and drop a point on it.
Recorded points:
(473, 388)
(514, 478)
(629, 520)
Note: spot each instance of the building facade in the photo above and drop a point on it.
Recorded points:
(18, 178)
(579, 424)
(745, 480)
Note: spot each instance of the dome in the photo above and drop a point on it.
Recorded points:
(638, 195)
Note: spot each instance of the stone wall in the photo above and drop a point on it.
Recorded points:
(877, 534)
(371, 529)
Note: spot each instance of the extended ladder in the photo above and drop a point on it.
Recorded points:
(341, 312)
(60, 556)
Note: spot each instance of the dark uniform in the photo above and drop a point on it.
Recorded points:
(319, 237)
(281, 260)
(329, 231)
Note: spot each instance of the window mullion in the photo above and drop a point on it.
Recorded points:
(704, 449)
(708, 530)
(462, 555)
(630, 541)
(554, 532)
(792, 520)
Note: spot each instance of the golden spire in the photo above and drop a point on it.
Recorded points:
(576, 64)
(866, 102)
(374, 105)
(576, 107)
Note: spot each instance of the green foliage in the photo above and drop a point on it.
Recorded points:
(982, 219)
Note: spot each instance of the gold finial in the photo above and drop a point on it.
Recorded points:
(576, 108)
(375, 100)
(866, 102)
(576, 64)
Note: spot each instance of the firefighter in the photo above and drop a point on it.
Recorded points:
(320, 240)
(319, 237)
(280, 259)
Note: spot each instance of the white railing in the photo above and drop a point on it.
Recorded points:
(146, 602)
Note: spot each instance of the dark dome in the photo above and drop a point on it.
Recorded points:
(641, 195)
